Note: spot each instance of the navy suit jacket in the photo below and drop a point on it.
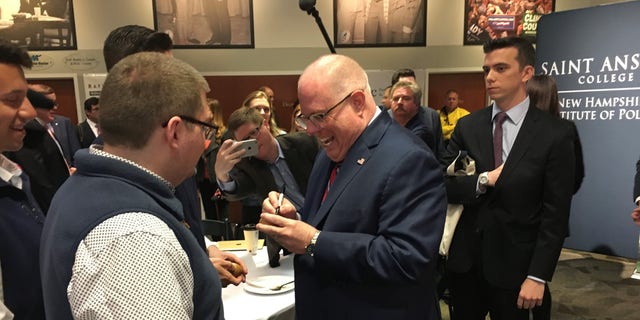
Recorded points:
(381, 225)
(85, 134)
(67, 136)
(518, 227)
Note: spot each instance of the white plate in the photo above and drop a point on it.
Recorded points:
(266, 282)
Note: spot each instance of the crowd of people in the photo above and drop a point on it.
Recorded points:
(102, 220)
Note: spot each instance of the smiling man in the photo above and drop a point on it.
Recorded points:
(21, 219)
(366, 244)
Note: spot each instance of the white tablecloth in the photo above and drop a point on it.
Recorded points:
(242, 305)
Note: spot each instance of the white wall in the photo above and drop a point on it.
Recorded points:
(286, 39)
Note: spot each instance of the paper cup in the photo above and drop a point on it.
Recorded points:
(251, 238)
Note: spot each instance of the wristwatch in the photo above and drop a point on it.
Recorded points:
(312, 245)
(483, 181)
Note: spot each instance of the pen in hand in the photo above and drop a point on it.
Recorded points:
(280, 198)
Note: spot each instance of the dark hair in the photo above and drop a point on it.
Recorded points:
(543, 93)
(242, 116)
(90, 103)
(11, 54)
(402, 73)
(526, 52)
(130, 39)
(451, 91)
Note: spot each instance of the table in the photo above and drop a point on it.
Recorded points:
(242, 305)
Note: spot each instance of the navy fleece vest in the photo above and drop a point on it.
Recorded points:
(21, 224)
(102, 188)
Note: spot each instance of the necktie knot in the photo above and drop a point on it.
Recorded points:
(499, 119)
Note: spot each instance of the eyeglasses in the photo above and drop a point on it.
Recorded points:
(253, 134)
(208, 130)
(318, 118)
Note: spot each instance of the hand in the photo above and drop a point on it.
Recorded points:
(223, 262)
(270, 204)
(72, 170)
(635, 215)
(531, 293)
(292, 234)
(226, 158)
(494, 175)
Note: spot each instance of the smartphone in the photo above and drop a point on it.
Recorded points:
(250, 146)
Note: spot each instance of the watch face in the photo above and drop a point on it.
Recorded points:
(310, 248)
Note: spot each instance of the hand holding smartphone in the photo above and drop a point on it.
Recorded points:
(250, 146)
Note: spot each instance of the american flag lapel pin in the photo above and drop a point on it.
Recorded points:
(360, 161)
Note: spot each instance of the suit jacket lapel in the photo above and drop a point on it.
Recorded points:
(355, 159)
(526, 136)
(484, 136)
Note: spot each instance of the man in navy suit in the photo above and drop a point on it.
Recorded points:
(367, 246)
(63, 130)
(516, 208)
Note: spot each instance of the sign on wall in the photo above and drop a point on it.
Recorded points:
(597, 69)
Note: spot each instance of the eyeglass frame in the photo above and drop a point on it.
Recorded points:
(208, 130)
(319, 117)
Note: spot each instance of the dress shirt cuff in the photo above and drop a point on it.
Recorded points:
(480, 190)
(536, 279)
(229, 186)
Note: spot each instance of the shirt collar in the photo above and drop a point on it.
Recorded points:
(516, 114)
(10, 172)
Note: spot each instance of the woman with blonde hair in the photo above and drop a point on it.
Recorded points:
(259, 100)
(217, 119)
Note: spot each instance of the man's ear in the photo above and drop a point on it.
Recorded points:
(173, 131)
(527, 73)
(358, 101)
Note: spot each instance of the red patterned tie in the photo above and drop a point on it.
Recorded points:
(332, 178)
(497, 138)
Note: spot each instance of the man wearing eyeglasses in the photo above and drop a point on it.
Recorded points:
(423, 122)
(366, 240)
(282, 161)
(115, 244)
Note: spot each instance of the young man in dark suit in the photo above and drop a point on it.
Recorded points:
(88, 130)
(516, 208)
(367, 239)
